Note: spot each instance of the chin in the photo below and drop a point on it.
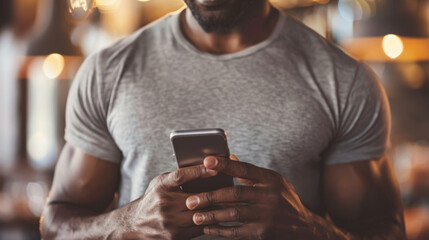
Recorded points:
(222, 17)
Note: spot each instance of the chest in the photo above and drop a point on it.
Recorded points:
(271, 120)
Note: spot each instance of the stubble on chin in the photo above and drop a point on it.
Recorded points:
(223, 21)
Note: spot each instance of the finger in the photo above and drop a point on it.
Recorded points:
(239, 169)
(191, 232)
(181, 176)
(233, 214)
(241, 180)
(224, 195)
(183, 219)
(246, 231)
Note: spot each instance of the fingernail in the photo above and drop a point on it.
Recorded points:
(192, 202)
(210, 162)
(198, 218)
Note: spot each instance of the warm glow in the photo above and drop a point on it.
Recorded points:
(38, 146)
(75, 4)
(372, 49)
(53, 65)
(287, 4)
(105, 2)
(392, 46)
(143, 0)
(106, 5)
(413, 75)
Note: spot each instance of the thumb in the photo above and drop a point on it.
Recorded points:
(241, 180)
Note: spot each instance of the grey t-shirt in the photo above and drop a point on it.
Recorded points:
(292, 103)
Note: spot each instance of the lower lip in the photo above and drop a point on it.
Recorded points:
(211, 3)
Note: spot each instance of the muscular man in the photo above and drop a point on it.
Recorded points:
(309, 123)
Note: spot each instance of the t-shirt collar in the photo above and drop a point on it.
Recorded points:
(178, 34)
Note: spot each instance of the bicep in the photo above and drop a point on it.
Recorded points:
(84, 180)
(362, 193)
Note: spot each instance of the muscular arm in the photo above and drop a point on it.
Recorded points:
(363, 202)
(83, 188)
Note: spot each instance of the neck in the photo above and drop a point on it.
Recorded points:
(255, 28)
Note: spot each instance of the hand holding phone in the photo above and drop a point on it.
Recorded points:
(192, 146)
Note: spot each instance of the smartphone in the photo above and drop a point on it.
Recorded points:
(192, 146)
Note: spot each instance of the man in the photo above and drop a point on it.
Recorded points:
(310, 124)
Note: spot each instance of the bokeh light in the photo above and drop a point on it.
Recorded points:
(76, 4)
(392, 46)
(413, 75)
(42, 113)
(53, 65)
(80, 9)
(38, 146)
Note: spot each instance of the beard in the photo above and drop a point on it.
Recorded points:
(221, 19)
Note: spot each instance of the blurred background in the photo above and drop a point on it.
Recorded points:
(43, 42)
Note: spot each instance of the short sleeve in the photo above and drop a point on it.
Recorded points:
(86, 113)
(364, 129)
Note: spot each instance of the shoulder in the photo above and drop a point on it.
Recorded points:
(144, 41)
(103, 70)
(318, 52)
(311, 42)
(342, 81)
(129, 55)
(328, 61)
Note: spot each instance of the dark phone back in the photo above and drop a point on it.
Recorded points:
(192, 146)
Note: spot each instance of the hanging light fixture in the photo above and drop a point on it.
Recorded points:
(80, 9)
(52, 60)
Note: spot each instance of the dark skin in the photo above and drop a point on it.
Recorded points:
(362, 199)
(84, 186)
(257, 24)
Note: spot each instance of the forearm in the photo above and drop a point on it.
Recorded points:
(388, 228)
(66, 221)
